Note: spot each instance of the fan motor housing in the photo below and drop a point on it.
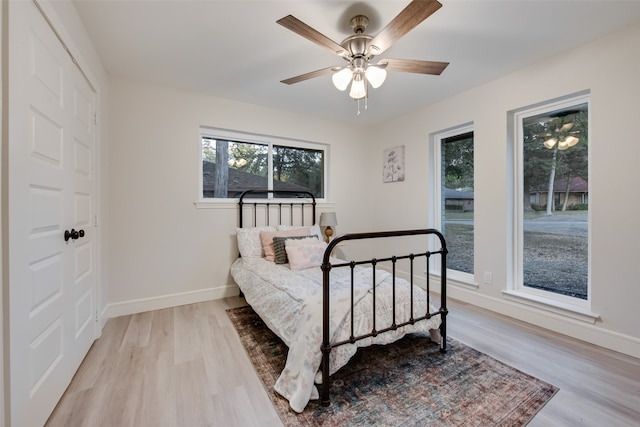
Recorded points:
(359, 23)
(357, 45)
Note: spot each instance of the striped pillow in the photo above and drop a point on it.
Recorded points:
(279, 247)
(266, 238)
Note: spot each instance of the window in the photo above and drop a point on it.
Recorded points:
(454, 212)
(234, 162)
(552, 201)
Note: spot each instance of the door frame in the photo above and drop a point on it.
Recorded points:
(53, 18)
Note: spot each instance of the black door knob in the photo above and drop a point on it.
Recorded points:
(73, 234)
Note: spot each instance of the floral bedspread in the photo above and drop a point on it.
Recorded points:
(290, 303)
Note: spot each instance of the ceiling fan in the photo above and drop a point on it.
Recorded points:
(360, 48)
(562, 135)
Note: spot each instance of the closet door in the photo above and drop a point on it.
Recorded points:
(52, 316)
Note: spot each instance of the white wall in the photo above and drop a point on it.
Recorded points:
(162, 250)
(609, 68)
(3, 92)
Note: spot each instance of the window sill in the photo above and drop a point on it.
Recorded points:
(558, 307)
(458, 282)
(233, 203)
(462, 284)
(221, 204)
(461, 279)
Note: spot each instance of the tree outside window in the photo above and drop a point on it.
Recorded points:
(555, 201)
(457, 199)
(230, 167)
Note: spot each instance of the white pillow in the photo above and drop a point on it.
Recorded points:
(304, 254)
(249, 243)
(314, 229)
(280, 253)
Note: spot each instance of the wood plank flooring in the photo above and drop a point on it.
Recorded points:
(185, 366)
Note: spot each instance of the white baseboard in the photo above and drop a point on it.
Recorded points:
(565, 325)
(165, 301)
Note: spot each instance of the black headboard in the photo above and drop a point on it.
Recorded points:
(298, 206)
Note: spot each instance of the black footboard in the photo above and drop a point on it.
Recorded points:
(327, 345)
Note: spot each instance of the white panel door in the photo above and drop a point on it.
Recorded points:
(51, 184)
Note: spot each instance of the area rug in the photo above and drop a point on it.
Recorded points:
(407, 383)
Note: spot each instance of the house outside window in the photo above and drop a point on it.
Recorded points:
(233, 163)
(551, 202)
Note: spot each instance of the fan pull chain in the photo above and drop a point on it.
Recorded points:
(358, 107)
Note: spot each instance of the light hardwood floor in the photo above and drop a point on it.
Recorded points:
(185, 366)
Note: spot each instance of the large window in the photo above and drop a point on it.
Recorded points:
(454, 217)
(552, 201)
(233, 163)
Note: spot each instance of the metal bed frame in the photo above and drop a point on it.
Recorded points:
(303, 199)
(327, 345)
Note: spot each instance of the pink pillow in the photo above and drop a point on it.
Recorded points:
(267, 240)
(304, 255)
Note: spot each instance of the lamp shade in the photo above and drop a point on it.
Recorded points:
(572, 140)
(358, 89)
(375, 75)
(328, 219)
(342, 78)
(566, 127)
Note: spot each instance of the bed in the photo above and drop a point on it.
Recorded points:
(323, 307)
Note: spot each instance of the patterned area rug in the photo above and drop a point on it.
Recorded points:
(407, 383)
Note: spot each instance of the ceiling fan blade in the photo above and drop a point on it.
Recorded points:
(297, 26)
(412, 15)
(310, 75)
(414, 66)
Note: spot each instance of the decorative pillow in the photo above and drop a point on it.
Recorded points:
(304, 255)
(249, 243)
(279, 250)
(266, 238)
(314, 230)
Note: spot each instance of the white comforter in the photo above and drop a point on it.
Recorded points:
(290, 303)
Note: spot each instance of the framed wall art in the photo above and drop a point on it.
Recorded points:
(393, 164)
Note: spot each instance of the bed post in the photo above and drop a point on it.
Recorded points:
(326, 344)
(443, 292)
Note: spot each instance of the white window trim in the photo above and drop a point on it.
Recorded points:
(453, 276)
(269, 140)
(556, 306)
(515, 290)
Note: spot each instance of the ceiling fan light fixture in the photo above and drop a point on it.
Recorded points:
(359, 48)
(566, 127)
(358, 87)
(375, 75)
(342, 78)
(572, 140)
(550, 143)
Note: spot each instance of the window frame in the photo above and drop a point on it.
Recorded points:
(251, 138)
(515, 287)
(455, 276)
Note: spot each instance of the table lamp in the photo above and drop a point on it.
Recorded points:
(328, 220)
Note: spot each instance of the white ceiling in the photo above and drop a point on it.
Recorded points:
(235, 50)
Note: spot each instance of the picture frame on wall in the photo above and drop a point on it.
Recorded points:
(393, 164)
